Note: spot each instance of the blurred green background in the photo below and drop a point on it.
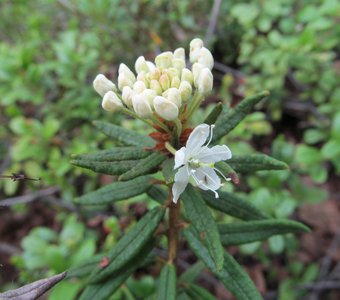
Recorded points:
(50, 52)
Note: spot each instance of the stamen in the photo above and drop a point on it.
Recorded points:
(200, 182)
(219, 172)
(211, 134)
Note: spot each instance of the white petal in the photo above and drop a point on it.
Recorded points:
(197, 138)
(181, 181)
(180, 157)
(208, 178)
(214, 154)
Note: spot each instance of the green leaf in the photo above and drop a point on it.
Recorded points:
(201, 218)
(251, 231)
(191, 273)
(233, 206)
(168, 170)
(227, 171)
(116, 191)
(229, 120)
(130, 244)
(158, 194)
(144, 166)
(105, 167)
(198, 293)
(85, 268)
(103, 290)
(123, 135)
(255, 162)
(119, 153)
(214, 114)
(166, 289)
(234, 278)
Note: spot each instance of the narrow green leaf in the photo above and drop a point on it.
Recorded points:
(105, 167)
(233, 206)
(103, 290)
(158, 194)
(255, 162)
(242, 233)
(229, 120)
(144, 166)
(85, 268)
(201, 218)
(191, 273)
(118, 153)
(168, 170)
(130, 244)
(166, 289)
(234, 278)
(198, 293)
(214, 114)
(116, 191)
(123, 135)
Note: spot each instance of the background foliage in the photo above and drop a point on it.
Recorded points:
(50, 51)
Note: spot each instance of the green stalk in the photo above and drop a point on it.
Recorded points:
(195, 103)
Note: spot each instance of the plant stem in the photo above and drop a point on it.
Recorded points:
(195, 103)
(174, 210)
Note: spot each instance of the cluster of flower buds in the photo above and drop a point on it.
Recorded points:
(162, 87)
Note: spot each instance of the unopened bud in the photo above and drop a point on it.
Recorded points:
(165, 108)
(164, 81)
(185, 89)
(139, 86)
(127, 96)
(195, 46)
(205, 58)
(175, 82)
(141, 106)
(141, 65)
(174, 96)
(178, 64)
(124, 69)
(179, 53)
(196, 71)
(187, 76)
(155, 74)
(205, 81)
(171, 72)
(111, 102)
(164, 60)
(151, 65)
(123, 81)
(102, 85)
(149, 95)
(142, 77)
(154, 85)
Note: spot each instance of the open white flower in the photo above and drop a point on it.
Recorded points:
(196, 160)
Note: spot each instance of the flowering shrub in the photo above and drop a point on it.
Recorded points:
(174, 165)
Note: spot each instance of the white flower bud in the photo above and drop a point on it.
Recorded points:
(155, 74)
(124, 81)
(141, 65)
(196, 70)
(171, 72)
(178, 64)
(164, 81)
(142, 77)
(141, 106)
(195, 46)
(175, 82)
(154, 85)
(165, 108)
(187, 76)
(149, 95)
(111, 102)
(139, 86)
(205, 58)
(205, 81)
(185, 89)
(124, 69)
(174, 96)
(102, 85)
(127, 96)
(151, 65)
(164, 60)
(179, 53)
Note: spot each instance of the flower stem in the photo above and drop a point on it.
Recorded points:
(195, 103)
(169, 147)
(174, 210)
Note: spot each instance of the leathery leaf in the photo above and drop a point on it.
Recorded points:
(123, 135)
(234, 278)
(166, 289)
(144, 166)
(251, 231)
(214, 114)
(116, 191)
(130, 244)
(228, 120)
(196, 292)
(201, 218)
